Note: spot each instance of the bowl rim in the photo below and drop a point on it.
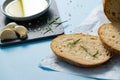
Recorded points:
(6, 2)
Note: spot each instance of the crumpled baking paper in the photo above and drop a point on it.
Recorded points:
(92, 22)
(109, 70)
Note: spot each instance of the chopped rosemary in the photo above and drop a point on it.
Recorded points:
(53, 21)
(48, 29)
(96, 53)
(74, 42)
(85, 49)
(59, 23)
(49, 24)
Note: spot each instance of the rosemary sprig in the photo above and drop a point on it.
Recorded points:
(48, 29)
(59, 23)
(74, 42)
(53, 21)
(85, 49)
(49, 24)
(94, 55)
(97, 52)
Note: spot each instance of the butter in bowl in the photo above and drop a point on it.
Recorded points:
(24, 9)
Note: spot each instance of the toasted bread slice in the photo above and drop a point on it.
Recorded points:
(80, 49)
(110, 35)
(112, 10)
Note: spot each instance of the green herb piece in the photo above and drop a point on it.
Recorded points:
(74, 42)
(48, 29)
(97, 52)
(85, 49)
(50, 23)
(59, 23)
(54, 20)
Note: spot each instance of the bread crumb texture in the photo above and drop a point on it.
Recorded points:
(83, 49)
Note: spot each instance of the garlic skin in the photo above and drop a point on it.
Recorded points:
(21, 31)
(8, 34)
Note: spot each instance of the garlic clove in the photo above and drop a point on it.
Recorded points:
(8, 34)
(21, 31)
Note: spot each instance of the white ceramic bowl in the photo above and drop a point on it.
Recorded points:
(26, 17)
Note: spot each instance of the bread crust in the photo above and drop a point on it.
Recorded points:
(72, 61)
(107, 11)
(105, 8)
(109, 46)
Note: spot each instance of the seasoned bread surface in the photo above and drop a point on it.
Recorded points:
(110, 35)
(112, 10)
(80, 49)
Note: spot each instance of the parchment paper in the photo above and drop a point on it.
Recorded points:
(92, 22)
(109, 70)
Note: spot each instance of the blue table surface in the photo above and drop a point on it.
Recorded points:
(20, 62)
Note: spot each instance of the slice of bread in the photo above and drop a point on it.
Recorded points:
(112, 10)
(80, 49)
(110, 35)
